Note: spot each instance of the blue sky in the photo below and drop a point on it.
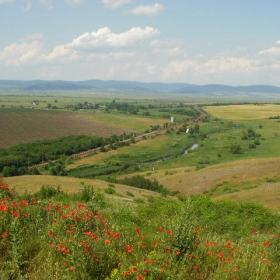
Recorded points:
(234, 42)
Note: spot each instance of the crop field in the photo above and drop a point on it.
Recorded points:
(132, 122)
(210, 169)
(244, 112)
(27, 125)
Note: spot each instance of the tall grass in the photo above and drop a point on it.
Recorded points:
(58, 236)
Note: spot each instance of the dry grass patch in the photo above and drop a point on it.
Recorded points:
(32, 184)
(92, 159)
(188, 181)
(267, 194)
(244, 112)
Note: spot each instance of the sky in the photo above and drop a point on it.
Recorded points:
(232, 42)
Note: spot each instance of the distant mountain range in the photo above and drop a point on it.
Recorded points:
(133, 87)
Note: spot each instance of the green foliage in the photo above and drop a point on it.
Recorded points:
(235, 149)
(87, 193)
(153, 240)
(142, 183)
(110, 190)
(130, 193)
(225, 217)
(48, 192)
(250, 134)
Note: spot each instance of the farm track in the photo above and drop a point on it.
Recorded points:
(137, 138)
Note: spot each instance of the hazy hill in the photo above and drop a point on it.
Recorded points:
(131, 87)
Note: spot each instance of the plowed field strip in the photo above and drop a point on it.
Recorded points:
(23, 126)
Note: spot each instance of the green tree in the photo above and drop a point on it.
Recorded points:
(235, 149)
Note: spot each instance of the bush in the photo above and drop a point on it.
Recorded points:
(110, 190)
(130, 193)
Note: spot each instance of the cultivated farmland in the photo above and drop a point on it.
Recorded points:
(27, 125)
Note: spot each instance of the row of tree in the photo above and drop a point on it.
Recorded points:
(21, 156)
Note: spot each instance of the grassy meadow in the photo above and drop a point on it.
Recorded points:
(219, 219)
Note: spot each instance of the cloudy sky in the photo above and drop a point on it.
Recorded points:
(234, 42)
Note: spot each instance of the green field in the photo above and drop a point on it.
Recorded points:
(161, 157)
(214, 210)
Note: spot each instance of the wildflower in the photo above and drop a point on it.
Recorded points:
(93, 256)
(5, 234)
(72, 268)
(210, 252)
(178, 253)
(137, 230)
(266, 244)
(129, 249)
(65, 263)
(145, 271)
(220, 255)
(107, 241)
(195, 267)
(169, 231)
(140, 277)
(235, 269)
(196, 230)
(160, 229)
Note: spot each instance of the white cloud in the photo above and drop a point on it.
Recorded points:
(6, 1)
(114, 56)
(113, 4)
(169, 52)
(166, 43)
(21, 54)
(59, 53)
(28, 6)
(150, 10)
(104, 37)
(271, 51)
(47, 3)
(73, 2)
(32, 37)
